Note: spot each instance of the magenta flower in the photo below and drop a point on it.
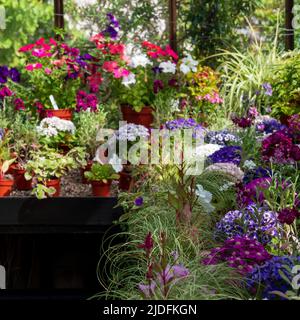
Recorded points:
(288, 215)
(148, 243)
(19, 104)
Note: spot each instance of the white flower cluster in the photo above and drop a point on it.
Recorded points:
(229, 168)
(188, 64)
(131, 132)
(52, 126)
(207, 150)
(249, 165)
(128, 80)
(140, 60)
(168, 67)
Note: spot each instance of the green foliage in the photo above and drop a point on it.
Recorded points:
(26, 20)
(5, 154)
(23, 138)
(101, 172)
(87, 126)
(244, 73)
(285, 80)
(47, 164)
(139, 19)
(126, 264)
(211, 25)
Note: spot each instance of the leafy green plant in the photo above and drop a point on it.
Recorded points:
(244, 73)
(5, 153)
(46, 164)
(23, 139)
(285, 82)
(87, 126)
(101, 172)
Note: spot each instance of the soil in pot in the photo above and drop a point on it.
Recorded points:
(101, 189)
(6, 186)
(20, 181)
(55, 183)
(144, 117)
(65, 114)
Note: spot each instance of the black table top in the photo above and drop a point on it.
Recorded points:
(58, 215)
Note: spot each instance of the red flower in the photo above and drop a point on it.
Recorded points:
(148, 243)
(26, 48)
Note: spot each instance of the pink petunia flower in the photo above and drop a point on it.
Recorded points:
(31, 67)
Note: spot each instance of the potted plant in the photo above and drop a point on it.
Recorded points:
(24, 140)
(53, 69)
(47, 166)
(101, 177)
(6, 180)
(129, 136)
(57, 133)
(135, 79)
(88, 125)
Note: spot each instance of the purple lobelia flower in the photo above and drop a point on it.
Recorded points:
(230, 154)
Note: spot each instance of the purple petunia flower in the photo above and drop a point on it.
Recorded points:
(112, 20)
(139, 201)
(14, 75)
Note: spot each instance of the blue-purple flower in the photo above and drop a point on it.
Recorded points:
(230, 154)
(256, 223)
(268, 89)
(139, 201)
(223, 137)
(267, 278)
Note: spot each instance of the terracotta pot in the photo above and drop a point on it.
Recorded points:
(54, 183)
(144, 117)
(20, 181)
(85, 169)
(101, 189)
(6, 186)
(125, 181)
(65, 114)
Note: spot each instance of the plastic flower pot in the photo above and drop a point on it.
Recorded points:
(6, 186)
(101, 189)
(85, 169)
(144, 117)
(54, 183)
(65, 114)
(20, 181)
